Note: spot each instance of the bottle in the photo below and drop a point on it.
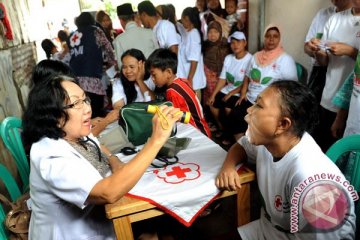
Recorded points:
(185, 118)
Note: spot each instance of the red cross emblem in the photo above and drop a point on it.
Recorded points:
(74, 38)
(278, 203)
(179, 172)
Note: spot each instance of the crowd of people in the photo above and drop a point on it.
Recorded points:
(252, 103)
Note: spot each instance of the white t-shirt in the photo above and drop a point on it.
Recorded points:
(303, 176)
(190, 50)
(234, 71)
(341, 27)
(66, 59)
(119, 93)
(166, 34)
(317, 25)
(283, 68)
(60, 182)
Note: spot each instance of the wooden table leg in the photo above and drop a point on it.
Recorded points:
(243, 204)
(123, 229)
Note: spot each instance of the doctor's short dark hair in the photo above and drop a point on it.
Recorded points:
(162, 58)
(44, 115)
(298, 103)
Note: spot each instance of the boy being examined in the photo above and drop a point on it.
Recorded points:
(162, 64)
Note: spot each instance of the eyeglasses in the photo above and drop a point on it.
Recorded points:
(78, 104)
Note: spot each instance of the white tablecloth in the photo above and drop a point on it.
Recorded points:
(185, 188)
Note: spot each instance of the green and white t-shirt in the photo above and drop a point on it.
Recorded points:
(283, 68)
(234, 71)
(301, 193)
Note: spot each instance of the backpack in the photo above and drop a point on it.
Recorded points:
(17, 220)
(137, 122)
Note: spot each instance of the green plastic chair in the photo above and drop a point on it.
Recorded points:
(10, 131)
(348, 144)
(14, 193)
(301, 73)
(349, 165)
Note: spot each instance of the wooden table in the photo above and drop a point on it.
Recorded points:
(128, 210)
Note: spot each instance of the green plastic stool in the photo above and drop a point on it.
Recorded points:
(10, 131)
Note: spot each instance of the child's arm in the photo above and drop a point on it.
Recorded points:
(219, 85)
(193, 66)
(244, 88)
(232, 92)
(174, 48)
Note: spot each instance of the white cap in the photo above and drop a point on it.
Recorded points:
(237, 35)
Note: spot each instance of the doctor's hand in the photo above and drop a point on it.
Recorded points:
(163, 122)
(228, 179)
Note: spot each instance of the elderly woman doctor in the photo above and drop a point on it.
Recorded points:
(69, 178)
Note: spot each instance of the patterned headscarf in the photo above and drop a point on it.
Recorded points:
(214, 52)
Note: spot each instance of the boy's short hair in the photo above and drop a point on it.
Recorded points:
(148, 8)
(162, 58)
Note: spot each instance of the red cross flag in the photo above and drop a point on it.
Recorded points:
(185, 188)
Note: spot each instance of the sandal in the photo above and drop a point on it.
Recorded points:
(212, 127)
(226, 142)
(218, 134)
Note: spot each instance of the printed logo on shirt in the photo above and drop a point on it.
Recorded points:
(75, 41)
(278, 203)
(322, 202)
(231, 80)
(357, 71)
(357, 79)
(281, 205)
(255, 76)
(274, 66)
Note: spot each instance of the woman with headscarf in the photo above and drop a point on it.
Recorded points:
(215, 49)
(268, 65)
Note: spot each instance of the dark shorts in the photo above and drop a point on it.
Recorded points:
(322, 132)
(219, 103)
(317, 81)
(237, 122)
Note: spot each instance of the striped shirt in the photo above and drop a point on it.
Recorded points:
(183, 96)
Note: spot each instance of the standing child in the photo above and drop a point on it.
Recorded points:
(227, 89)
(230, 8)
(163, 66)
(65, 52)
(190, 65)
(215, 49)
